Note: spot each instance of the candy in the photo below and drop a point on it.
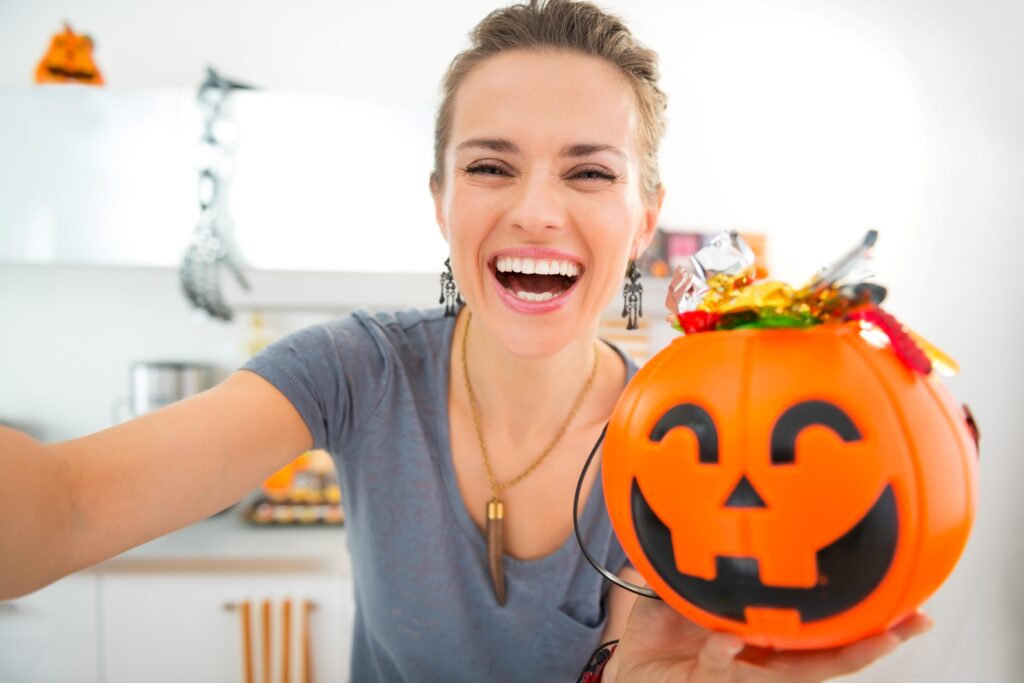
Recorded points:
(692, 322)
(775, 321)
(849, 269)
(941, 361)
(769, 296)
(725, 254)
(724, 263)
(902, 343)
(716, 290)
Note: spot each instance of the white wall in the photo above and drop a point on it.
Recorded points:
(69, 333)
(811, 120)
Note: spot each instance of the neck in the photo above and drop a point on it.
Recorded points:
(521, 399)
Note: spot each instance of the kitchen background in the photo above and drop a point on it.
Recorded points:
(806, 121)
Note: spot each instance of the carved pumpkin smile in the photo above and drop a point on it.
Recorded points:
(737, 583)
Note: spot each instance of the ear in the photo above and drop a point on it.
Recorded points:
(650, 222)
(437, 192)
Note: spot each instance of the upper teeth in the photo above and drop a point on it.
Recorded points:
(530, 266)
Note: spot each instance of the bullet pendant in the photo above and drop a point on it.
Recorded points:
(495, 549)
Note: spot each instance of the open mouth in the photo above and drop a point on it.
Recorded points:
(535, 279)
(849, 569)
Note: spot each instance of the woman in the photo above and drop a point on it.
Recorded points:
(443, 427)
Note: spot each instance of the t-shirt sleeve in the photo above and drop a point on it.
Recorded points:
(334, 373)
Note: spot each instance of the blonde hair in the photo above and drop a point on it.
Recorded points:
(562, 25)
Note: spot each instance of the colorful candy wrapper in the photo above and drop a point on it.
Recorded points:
(716, 290)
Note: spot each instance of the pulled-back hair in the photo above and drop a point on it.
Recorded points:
(562, 25)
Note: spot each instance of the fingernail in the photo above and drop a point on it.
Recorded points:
(734, 647)
(926, 623)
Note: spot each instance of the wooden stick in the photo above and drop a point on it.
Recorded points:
(265, 624)
(244, 610)
(286, 640)
(307, 653)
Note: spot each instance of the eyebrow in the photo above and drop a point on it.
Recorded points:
(509, 147)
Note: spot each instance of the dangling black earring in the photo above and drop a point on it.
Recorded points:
(450, 296)
(632, 296)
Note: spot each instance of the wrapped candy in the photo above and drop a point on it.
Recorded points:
(717, 290)
(719, 265)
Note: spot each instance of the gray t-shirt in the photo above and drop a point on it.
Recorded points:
(373, 390)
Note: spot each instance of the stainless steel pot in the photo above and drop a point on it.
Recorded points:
(154, 385)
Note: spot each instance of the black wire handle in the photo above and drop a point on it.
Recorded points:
(631, 587)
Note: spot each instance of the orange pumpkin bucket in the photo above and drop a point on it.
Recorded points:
(802, 487)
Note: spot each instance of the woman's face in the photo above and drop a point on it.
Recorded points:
(541, 202)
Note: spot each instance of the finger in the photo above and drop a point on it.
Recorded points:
(716, 658)
(823, 664)
(672, 297)
(914, 625)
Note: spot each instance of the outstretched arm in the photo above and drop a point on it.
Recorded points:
(69, 505)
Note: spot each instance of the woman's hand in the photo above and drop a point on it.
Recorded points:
(661, 646)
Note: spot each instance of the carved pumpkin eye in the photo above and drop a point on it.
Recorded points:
(698, 421)
(803, 415)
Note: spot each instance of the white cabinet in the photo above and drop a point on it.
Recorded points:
(154, 626)
(168, 610)
(186, 626)
(95, 176)
(108, 176)
(51, 635)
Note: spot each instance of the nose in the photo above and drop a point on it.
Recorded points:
(538, 206)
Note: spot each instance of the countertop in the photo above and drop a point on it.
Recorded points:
(228, 542)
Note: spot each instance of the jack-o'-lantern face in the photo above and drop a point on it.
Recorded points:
(69, 60)
(836, 583)
(768, 482)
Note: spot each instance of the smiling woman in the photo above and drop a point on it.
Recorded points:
(545, 186)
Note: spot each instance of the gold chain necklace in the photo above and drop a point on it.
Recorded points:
(495, 508)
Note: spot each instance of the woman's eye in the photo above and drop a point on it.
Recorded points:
(485, 169)
(594, 174)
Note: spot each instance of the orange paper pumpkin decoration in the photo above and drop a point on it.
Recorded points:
(69, 60)
(799, 487)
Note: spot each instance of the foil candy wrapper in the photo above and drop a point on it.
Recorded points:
(726, 254)
(850, 269)
(726, 257)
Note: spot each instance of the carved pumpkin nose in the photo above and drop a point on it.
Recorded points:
(744, 496)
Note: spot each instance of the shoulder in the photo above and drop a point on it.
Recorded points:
(410, 330)
(361, 339)
(377, 344)
(627, 360)
(407, 322)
